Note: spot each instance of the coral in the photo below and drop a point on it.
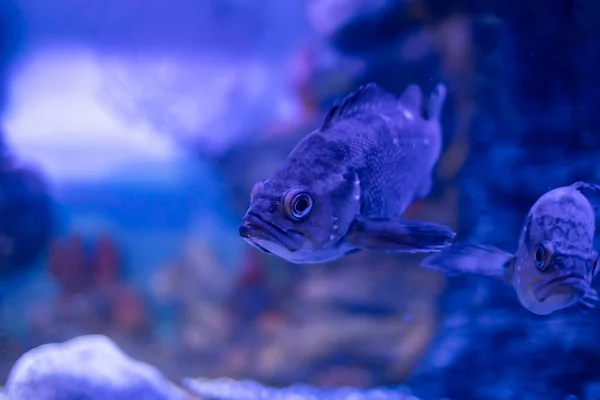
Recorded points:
(92, 294)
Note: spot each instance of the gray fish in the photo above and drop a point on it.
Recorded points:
(554, 263)
(345, 186)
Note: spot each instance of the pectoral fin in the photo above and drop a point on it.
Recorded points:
(472, 258)
(396, 235)
(589, 301)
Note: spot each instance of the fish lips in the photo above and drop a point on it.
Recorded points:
(254, 229)
(575, 285)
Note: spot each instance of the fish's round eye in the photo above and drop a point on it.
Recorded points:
(298, 204)
(541, 257)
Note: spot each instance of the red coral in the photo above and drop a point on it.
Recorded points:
(93, 276)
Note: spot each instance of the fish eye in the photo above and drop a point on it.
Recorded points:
(541, 257)
(298, 204)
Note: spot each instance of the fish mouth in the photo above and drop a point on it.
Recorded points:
(573, 285)
(254, 229)
(252, 242)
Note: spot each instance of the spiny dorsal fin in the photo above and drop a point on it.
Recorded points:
(592, 192)
(584, 187)
(436, 101)
(372, 95)
(362, 99)
(412, 98)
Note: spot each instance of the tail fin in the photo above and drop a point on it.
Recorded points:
(436, 101)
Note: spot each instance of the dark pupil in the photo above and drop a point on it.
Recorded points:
(538, 255)
(301, 205)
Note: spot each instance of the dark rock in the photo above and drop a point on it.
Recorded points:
(26, 219)
(356, 25)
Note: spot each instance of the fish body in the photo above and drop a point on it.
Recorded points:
(554, 263)
(345, 186)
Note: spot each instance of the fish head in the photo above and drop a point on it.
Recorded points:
(556, 261)
(302, 223)
(558, 279)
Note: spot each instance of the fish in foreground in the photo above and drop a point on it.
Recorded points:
(554, 263)
(345, 186)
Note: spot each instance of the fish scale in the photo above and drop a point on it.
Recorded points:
(391, 159)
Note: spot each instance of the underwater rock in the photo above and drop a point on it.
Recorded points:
(411, 57)
(359, 26)
(90, 367)
(490, 348)
(229, 389)
(26, 220)
(353, 25)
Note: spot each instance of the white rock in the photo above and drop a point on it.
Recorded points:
(229, 389)
(87, 367)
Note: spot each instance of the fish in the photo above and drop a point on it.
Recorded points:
(344, 187)
(554, 263)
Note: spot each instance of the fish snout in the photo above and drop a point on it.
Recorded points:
(244, 231)
(248, 224)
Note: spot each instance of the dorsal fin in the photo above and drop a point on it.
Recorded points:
(372, 95)
(412, 98)
(590, 188)
(436, 101)
(591, 192)
(362, 99)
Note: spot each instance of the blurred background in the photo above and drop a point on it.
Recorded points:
(133, 131)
